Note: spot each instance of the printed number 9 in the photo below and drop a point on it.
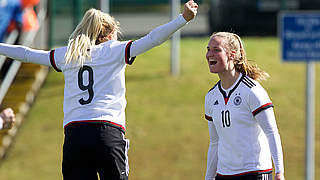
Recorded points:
(88, 87)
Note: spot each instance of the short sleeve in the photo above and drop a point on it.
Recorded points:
(57, 58)
(259, 100)
(118, 50)
(128, 59)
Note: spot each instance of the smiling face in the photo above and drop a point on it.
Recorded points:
(219, 60)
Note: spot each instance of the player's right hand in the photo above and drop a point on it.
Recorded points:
(190, 10)
(8, 117)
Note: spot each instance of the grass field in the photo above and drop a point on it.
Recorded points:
(169, 136)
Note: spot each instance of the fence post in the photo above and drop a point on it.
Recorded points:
(104, 6)
(175, 41)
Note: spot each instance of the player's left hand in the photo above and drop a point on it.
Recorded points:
(279, 176)
(8, 118)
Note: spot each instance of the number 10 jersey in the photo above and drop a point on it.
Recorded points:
(242, 145)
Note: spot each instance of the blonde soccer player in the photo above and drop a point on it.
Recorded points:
(94, 65)
(242, 126)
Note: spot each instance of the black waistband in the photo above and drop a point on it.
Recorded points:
(94, 123)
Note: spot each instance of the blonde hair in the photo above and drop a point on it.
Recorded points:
(93, 29)
(233, 44)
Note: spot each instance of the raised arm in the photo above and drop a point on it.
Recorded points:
(25, 54)
(160, 34)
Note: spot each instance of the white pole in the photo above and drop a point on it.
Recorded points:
(310, 117)
(105, 6)
(175, 41)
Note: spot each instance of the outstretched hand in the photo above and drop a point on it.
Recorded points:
(8, 118)
(190, 10)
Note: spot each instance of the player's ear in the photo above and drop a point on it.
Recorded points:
(101, 39)
(232, 55)
(111, 35)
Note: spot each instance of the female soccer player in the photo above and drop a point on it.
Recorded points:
(242, 126)
(94, 65)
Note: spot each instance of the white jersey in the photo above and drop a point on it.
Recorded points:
(95, 92)
(242, 145)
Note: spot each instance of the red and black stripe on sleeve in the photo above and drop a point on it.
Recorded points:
(261, 108)
(209, 118)
(127, 54)
(52, 61)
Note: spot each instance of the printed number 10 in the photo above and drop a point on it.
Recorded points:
(225, 117)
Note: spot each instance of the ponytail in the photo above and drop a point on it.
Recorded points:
(94, 27)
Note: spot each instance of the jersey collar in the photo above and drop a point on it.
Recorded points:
(235, 85)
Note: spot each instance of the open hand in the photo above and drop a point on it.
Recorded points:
(190, 10)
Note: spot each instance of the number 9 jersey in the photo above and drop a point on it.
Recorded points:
(96, 91)
(241, 146)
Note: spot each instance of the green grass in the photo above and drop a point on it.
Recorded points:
(169, 136)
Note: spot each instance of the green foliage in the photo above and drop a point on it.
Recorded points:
(169, 136)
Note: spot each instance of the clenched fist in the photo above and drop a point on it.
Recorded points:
(190, 10)
(7, 118)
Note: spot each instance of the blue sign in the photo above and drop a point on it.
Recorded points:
(300, 36)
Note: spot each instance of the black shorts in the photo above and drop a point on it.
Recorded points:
(92, 149)
(248, 176)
